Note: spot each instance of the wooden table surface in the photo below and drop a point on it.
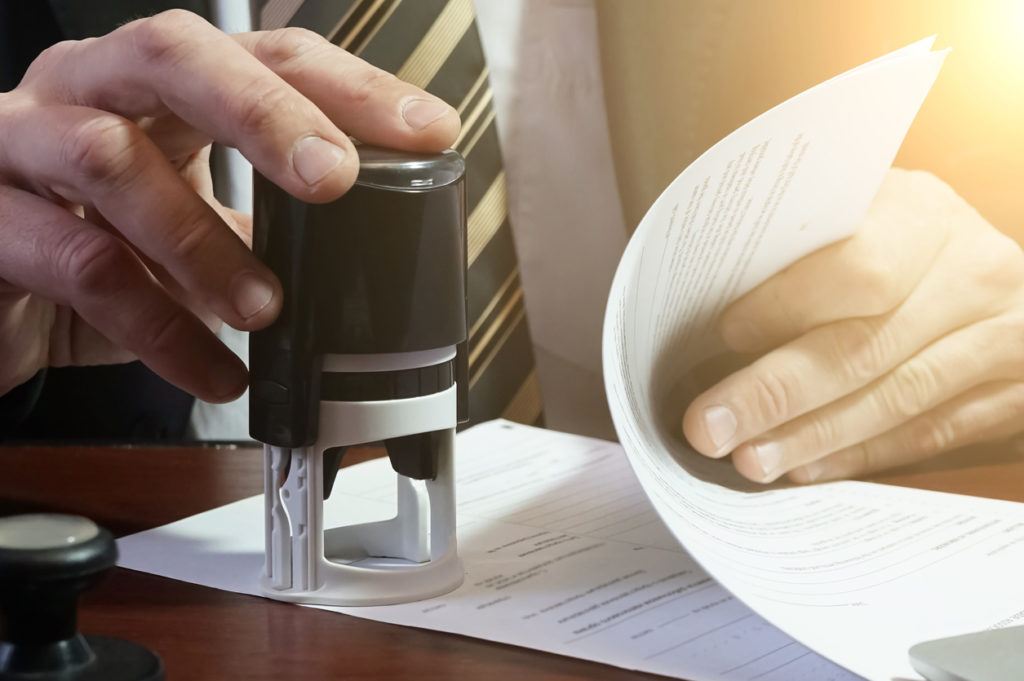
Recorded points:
(204, 634)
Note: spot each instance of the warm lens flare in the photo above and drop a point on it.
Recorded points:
(995, 30)
(971, 129)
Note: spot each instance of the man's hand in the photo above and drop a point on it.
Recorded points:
(901, 342)
(113, 246)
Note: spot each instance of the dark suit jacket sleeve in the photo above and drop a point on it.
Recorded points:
(125, 403)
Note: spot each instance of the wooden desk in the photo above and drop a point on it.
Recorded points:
(203, 634)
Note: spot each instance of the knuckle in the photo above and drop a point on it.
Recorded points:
(933, 435)
(284, 48)
(49, 58)
(773, 398)
(260, 110)
(189, 240)
(1000, 266)
(915, 184)
(1009, 255)
(862, 347)
(928, 185)
(56, 52)
(160, 332)
(865, 457)
(823, 434)
(101, 150)
(874, 278)
(371, 83)
(92, 262)
(1013, 326)
(1013, 408)
(912, 388)
(165, 37)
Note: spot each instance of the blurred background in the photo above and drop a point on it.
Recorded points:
(711, 66)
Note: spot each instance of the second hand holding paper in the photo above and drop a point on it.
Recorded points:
(853, 570)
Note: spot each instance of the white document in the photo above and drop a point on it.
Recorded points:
(855, 571)
(562, 550)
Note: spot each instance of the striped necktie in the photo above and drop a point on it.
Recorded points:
(434, 45)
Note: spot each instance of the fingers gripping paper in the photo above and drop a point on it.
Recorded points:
(852, 570)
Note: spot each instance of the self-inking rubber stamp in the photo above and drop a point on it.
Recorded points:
(370, 348)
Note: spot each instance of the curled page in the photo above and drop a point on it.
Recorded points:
(857, 572)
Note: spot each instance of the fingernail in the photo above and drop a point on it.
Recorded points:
(769, 455)
(419, 113)
(250, 293)
(314, 158)
(227, 380)
(721, 425)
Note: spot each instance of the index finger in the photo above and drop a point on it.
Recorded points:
(177, 62)
(367, 102)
